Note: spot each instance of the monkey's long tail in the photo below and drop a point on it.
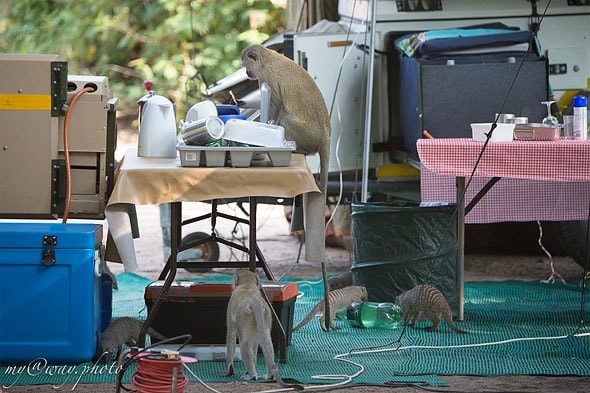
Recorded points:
(309, 315)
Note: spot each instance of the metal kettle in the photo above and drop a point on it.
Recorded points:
(157, 127)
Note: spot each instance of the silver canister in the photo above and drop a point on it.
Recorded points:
(521, 120)
(198, 132)
(505, 118)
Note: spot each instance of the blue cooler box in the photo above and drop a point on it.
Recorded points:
(50, 303)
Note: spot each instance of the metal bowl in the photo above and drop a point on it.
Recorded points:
(536, 132)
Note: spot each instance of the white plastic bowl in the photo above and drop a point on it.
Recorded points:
(254, 133)
(504, 132)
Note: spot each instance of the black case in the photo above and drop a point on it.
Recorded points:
(199, 308)
(446, 99)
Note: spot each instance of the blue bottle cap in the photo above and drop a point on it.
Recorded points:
(580, 101)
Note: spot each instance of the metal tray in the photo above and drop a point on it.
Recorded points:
(236, 157)
(536, 132)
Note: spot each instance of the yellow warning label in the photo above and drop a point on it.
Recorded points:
(39, 102)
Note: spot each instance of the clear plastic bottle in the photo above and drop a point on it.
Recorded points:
(580, 117)
(372, 315)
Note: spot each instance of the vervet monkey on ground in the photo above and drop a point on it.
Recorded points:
(249, 319)
(296, 103)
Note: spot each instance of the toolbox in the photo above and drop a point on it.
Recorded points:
(50, 287)
(199, 308)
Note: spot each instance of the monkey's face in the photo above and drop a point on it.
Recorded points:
(251, 61)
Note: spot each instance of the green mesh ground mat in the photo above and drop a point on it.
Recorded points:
(128, 299)
(515, 327)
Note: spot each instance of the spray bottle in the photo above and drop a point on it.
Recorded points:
(580, 118)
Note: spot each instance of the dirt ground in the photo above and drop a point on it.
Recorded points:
(281, 251)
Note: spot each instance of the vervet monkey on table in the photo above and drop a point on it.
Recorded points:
(249, 319)
(296, 103)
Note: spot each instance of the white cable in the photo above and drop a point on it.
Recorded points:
(199, 380)
(493, 343)
(362, 368)
(348, 378)
(554, 274)
(340, 192)
(340, 133)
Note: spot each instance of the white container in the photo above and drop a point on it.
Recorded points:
(504, 132)
(157, 127)
(254, 133)
(202, 353)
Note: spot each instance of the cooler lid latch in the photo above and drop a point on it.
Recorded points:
(48, 254)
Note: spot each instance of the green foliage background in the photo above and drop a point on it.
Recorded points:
(177, 44)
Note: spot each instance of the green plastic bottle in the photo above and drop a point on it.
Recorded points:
(372, 315)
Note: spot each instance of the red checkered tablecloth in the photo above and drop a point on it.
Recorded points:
(532, 160)
(547, 181)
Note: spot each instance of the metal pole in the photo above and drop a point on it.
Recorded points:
(369, 104)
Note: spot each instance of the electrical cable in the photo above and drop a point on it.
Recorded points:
(554, 274)
(345, 54)
(341, 182)
(199, 380)
(67, 151)
(135, 357)
(336, 100)
(474, 345)
(290, 268)
(353, 352)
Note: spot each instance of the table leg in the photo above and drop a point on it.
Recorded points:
(169, 271)
(253, 252)
(252, 234)
(481, 193)
(461, 240)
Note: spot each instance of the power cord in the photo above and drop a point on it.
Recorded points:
(67, 151)
(136, 355)
(554, 273)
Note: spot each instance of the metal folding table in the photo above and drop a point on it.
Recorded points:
(141, 181)
(559, 171)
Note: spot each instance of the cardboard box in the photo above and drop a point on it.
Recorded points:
(199, 308)
(50, 303)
